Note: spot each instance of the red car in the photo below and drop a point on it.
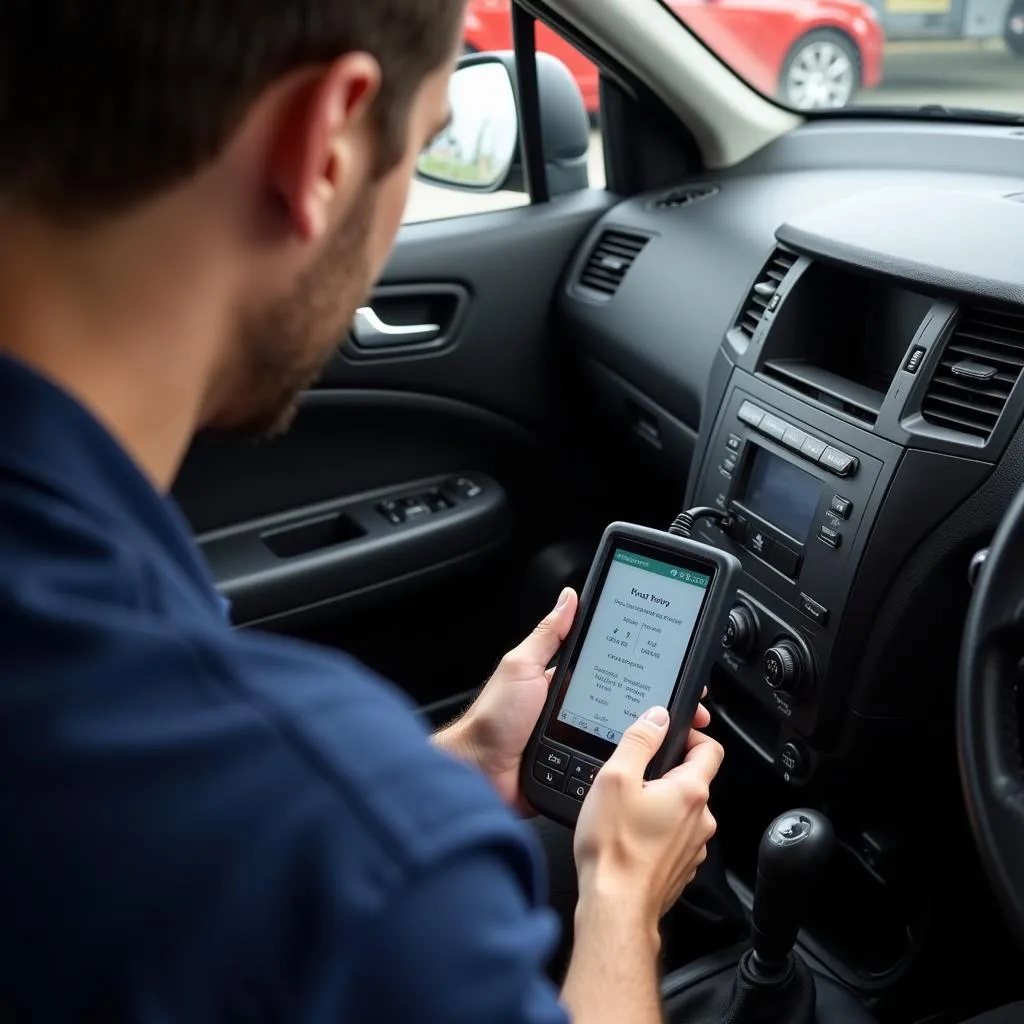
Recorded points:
(810, 54)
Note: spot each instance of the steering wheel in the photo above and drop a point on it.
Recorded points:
(990, 713)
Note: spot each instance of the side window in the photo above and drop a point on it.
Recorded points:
(489, 27)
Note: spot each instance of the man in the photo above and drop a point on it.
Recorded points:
(202, 824)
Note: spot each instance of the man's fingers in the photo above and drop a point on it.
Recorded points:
(703, 758)
(702, 719)
(547, 637)
(639, 743)
(703, 755)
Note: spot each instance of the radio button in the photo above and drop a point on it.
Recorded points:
(818, 613)
(729, 463)
(760, 544)
(812, 448)
(792, 762)
(833, 538)
(782, 667)
(842, 506)
(794, 438)
(914, 360)
(740, 635)
(554, 759)
(733, 443)
(548, 776)
(751, 414)
(838, 462)
(773, 427)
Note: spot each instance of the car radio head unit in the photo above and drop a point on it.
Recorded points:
(781, 493)
(799, 496)
(782, 488)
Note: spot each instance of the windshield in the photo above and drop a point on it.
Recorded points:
(949, 55)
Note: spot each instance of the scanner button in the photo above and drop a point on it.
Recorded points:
(553, 759)
(577, 790)
(582, 771)
(548, 776)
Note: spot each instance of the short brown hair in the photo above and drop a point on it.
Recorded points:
(105, 102)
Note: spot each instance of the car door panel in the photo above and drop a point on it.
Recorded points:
(510, 262)
(292, 527)
(317, 559)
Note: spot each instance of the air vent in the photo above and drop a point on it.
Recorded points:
(685, 196)
(610, 259)
(765, 287)
(980, 366)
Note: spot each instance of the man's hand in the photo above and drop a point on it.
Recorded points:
(638, 844)
(494, 732)
(647, 837)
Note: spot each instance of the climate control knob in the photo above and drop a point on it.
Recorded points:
(740, 634)
(784, 667)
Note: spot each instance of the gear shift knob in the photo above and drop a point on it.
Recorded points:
(794, 852)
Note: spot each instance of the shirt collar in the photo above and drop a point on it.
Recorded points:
(52, 440)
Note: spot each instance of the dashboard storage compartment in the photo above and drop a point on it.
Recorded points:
(841, 337)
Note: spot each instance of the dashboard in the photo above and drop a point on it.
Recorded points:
(827, 343)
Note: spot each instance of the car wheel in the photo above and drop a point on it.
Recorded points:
(1013, 33)
(821, 71)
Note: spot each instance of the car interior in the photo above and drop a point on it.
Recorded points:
(814, 323)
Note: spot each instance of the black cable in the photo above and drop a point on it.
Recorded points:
(683, 524)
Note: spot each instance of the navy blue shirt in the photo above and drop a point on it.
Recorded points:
(205, 824)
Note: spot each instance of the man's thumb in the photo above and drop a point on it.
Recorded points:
(641, 741)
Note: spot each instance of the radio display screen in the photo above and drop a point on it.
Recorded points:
(781, 493)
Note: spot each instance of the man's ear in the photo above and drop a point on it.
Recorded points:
(324, 148)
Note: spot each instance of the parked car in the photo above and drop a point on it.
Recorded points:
(809, 54)
(966, 19)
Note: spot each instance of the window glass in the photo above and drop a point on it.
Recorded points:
(831, 54)
(489, 27)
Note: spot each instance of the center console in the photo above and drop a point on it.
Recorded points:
(803, 492)
(858, 399)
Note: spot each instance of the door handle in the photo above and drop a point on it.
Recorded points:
(369, 331)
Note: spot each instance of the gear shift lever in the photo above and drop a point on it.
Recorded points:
(793, 855)
(772, 984)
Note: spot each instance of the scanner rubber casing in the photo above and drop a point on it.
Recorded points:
(704, 647)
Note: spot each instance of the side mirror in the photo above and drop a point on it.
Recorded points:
(475, 152)
(479, 150)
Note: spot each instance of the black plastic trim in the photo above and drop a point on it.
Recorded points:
(261, 585)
